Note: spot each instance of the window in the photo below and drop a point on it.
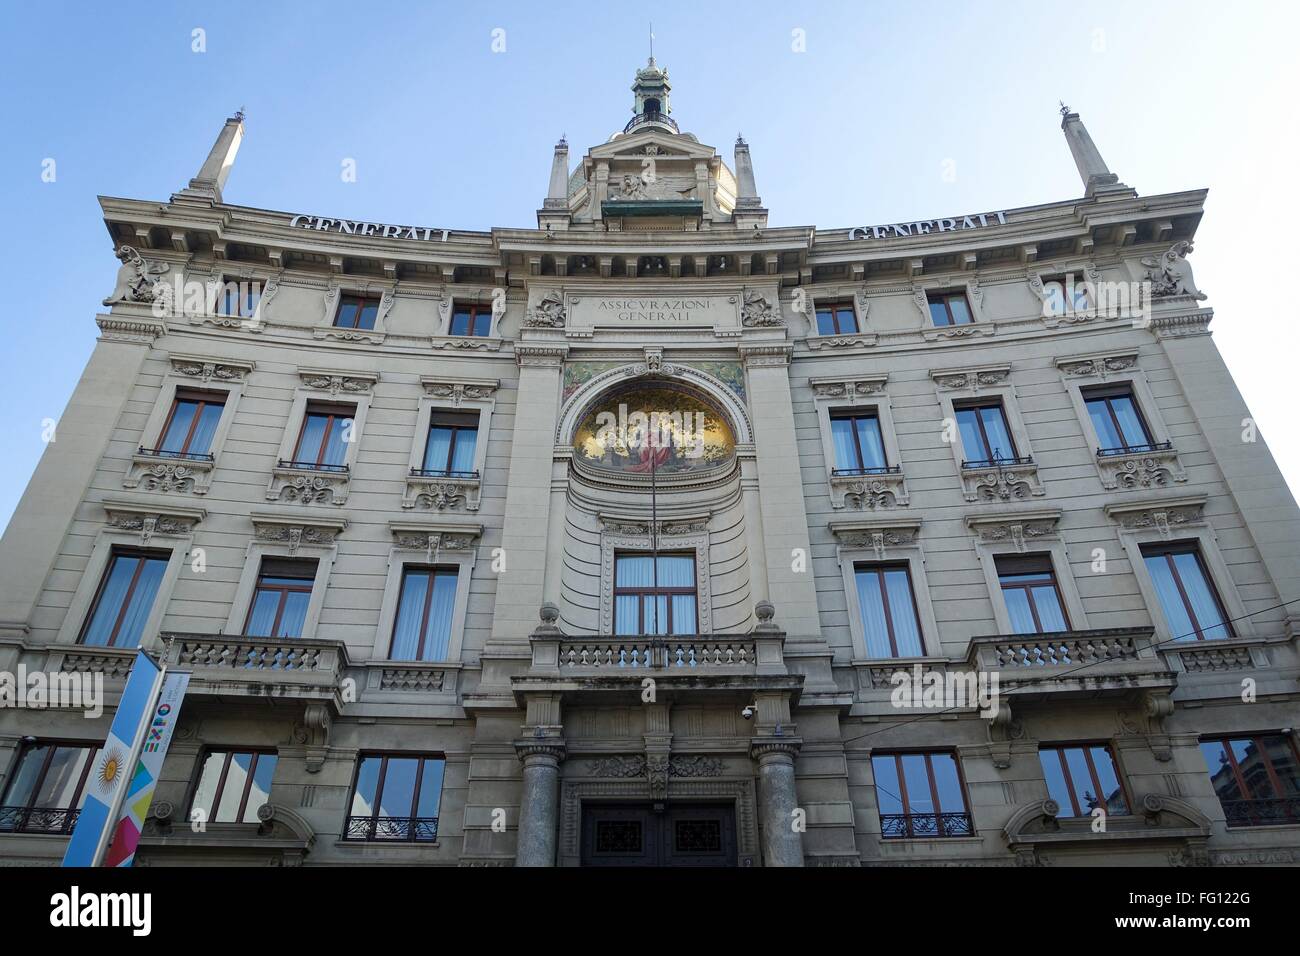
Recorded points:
(1083, 777)
(47, 789)
(650, 599)
(323, 441)
(471, 320)
(233, 786)
(280, 599)
(1062, 297)
(949, 308)
(395, 798)
(985, 436)
(191, 424)
(1256, 777)
(125, 598)
(889, 617)
(838, 318)
(1190, 602)
(450, 447)
(357, 312)
(859, 447)
(920, 795)
(1034, 603)
(1116, 419)
(239, 298)
(422, 630)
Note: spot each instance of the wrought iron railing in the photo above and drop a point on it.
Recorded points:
(906, 826)
(1262, 813)
(998, 462)
(396, 829)
(441, 473)
(1134, 449)
(651, 117)
(313, 466)
(857, 472)
(37, 819)
(181, 455)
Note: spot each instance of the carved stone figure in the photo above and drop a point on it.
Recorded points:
(549, 313)
(758, 311)
(138, 280)
(1171, 274)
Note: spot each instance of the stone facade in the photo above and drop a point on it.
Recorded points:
(653, 266)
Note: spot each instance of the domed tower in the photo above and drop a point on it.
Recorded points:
(650, 106)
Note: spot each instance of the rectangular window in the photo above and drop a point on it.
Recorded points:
(1256, 777)
(1033, 600)
(191, 424)
(654, 599)
(471, 319)
(838, 318)
(449, 449)
(1083, 777)
(233, 785)
(985, 435)
(1061, 297)
(125, 598)
(889, 618)
(279, 607)
(859, 447)
(1187, 596)
(920, 795)
(1116, 419)
(323, 441)
(395, 797)
(47, 788)
(357, 312)
(239, 297)
(422, 630)
(949, 308)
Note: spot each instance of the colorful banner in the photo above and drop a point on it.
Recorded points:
(139, 792)
(108, 776)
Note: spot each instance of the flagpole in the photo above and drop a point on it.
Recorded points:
(654, 535)
(137, 747)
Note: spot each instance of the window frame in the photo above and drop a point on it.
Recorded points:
(203, 398)
(850, 554)
(1255, 738)
(656, 592)
(456, 430)
(879, 568)
(284, 592)
(434, 571)
(944, 297)
(259, 549)
(938, 813)
(222, 299)
(476, 310)
(1192, 547)
(1105, 393)
(332, 411)
(374, 817)
(229, 752)
(835, 307)
(361, 300)
(1084, 745)
(854, 415)
(978, 406)
(399, 557)
(120, 551)
(72, 811)
(1042, 558)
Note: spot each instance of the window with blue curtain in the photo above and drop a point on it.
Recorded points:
(451, 443)
(859, 445)
(890, 621)
(985, 436)
(1187, 596)
(1032, 598)
(281, 598)
(422, 628)
(191, 424)
(326, 431)
(1116, 419)
(646, 602)
(125, 599)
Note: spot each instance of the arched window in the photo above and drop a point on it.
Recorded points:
(651, 105)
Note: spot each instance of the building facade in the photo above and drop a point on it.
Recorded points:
(657, 534)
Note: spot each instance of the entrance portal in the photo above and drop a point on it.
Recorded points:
(680, 835)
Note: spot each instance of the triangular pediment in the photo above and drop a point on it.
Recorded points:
(668, 146)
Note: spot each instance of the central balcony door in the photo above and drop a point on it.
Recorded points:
(680, 835)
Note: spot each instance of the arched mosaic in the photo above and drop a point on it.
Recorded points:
(653, 425)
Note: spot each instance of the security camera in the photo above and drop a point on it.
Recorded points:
(748, 711)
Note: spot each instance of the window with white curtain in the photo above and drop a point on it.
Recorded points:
(125, 598)
(279, 606)
(655, 596)
(1187, 596)
(422, 629)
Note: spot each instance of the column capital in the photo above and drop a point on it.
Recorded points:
(548, 748)
(540, 356)
(775, 354)
(765, 747)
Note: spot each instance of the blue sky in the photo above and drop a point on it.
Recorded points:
(445, 132)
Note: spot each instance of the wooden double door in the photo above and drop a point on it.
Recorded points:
(678, 835)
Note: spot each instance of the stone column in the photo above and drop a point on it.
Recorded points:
(782, 841)
(539, 806)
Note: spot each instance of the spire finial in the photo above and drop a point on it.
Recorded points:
(652, 43)
(1065, 110)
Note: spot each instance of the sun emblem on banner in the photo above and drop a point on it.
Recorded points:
(109, 770)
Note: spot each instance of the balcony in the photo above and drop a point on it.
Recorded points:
(392, 829)
(913, 826)
(651, 118)
(240, 666)
(1283, 811)
(1134, 467)
(306, 482)
(440, 489)
(1063, 664)
(156, 469)
(1000, 479)
(37, 820)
